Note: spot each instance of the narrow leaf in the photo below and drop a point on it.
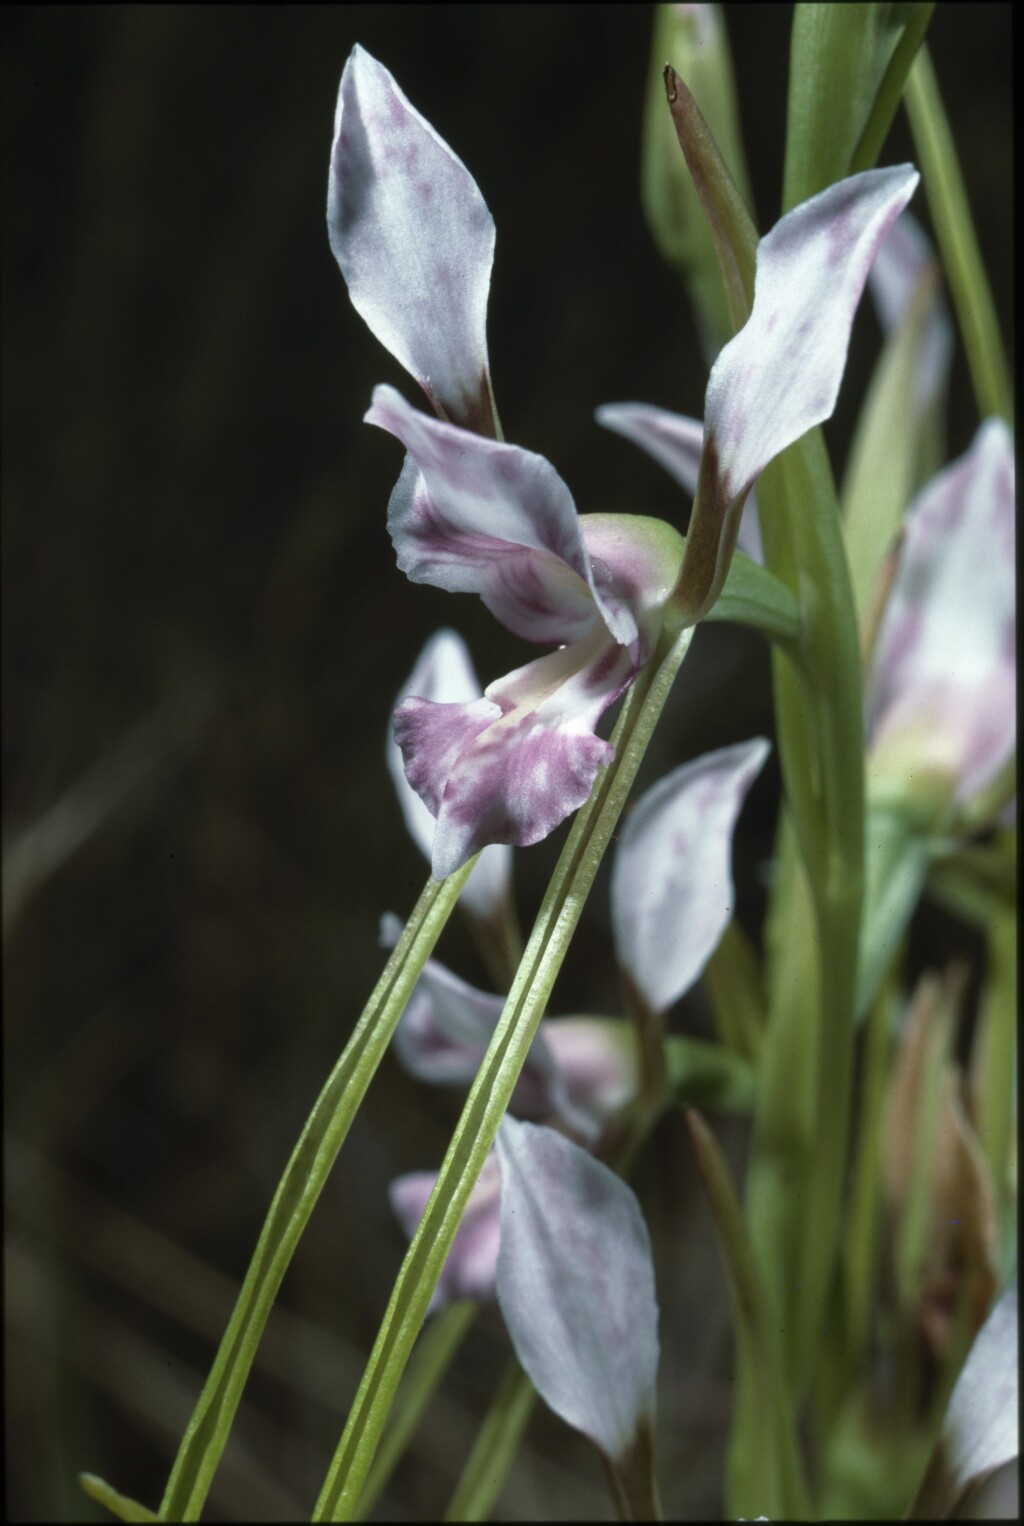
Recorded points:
(837, 61)
(776, 1466)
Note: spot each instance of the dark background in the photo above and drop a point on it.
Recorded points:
(204, 631)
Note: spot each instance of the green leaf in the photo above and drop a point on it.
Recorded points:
(119, 1505)
(838, 59)
(993, 1068)
(693, 39)
(768, 1480)
(754, 596)
(733, 979)
(705, 1075)
(430, 1361)
(495, 1447)
(296, 1196)
(731, 226)
(489, 1097)
(958, 243)
(896, 862)
(890, 92)
(891, 440)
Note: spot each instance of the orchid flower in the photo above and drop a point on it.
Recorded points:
(469, 513)
(941, 692)
(672, 896)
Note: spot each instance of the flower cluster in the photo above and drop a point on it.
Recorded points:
(471, 513)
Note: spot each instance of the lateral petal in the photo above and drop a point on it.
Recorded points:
(414, 240)
(780, 375)
(676, 443)
(443, 1036)
(672, 890)
(476, 516)
(576, 1284)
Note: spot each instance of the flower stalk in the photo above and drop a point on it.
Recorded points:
(489, 1097)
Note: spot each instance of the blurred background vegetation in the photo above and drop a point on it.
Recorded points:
(204, 631)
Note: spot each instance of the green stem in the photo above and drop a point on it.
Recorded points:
(495, 1082)
(821, 744)
(958, 243)
(772, 1477)
(429, 1364)
(494, 1448)
(890, 92)
(296, 1196)
(120, 1505)
(863, 1228)
(993, 1067)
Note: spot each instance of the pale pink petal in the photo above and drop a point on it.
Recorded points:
(516, 779)
(471, 1266)
(904, 256)
(446, 1028)
(414, 240)
(473, 515)
(676, 442)
(672, 890)
(597, 1063)
(432, 737)
(576, 1284)
(444, 673)
(942, 686)
(780, 375)
(444, 1034)
(905, 259)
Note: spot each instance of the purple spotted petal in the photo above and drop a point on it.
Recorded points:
(576, 1285)
(414, 240)
(515, 778)
(676, 442)
(942, 687)
(470, 1268)
(672, 891)
(432, 738)
(444, 672)
(780, 375)
(474, 516)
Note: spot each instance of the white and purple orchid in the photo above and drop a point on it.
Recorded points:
(941, 690)
(672, 895)
(470, 513)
